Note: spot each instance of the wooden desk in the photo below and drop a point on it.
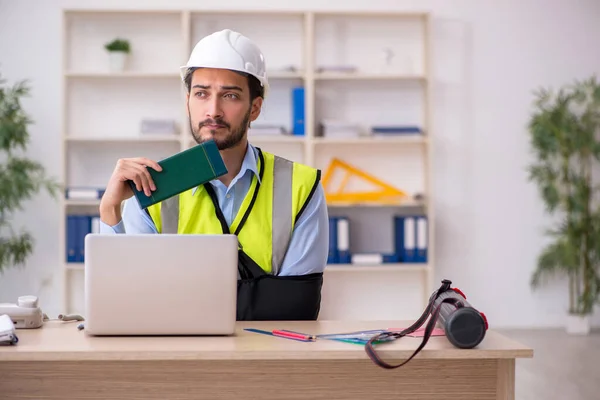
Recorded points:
(58, 361)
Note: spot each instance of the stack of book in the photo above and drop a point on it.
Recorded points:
(385, 130)
(84, 193)
(409, 238)
(338, 129)
(78, 226)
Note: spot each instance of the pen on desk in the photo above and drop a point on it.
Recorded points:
(293, 335)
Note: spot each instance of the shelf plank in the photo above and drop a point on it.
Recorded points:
(268, 12)
(396, 267)
(285, 75)
(399, 139)
(167, 74)
(109, 139)
(366, 76)
(391, 267)
(75, 266)
(406, 203)
(268, 139)
(77, 202)
(124, 74)
(370, 13)
(119, 11)
(276, 138)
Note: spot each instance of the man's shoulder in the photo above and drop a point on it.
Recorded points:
(296, 164)
(303, 174)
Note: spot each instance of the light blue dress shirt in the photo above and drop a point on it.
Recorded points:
(309, 245)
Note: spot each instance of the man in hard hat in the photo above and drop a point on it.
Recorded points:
(276, 207)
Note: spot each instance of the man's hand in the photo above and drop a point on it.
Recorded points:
(118, 189)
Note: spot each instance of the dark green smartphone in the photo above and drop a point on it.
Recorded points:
(182, 171)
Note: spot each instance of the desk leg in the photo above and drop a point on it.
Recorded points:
(506, 379)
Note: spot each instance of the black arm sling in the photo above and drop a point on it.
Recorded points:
(266, 297)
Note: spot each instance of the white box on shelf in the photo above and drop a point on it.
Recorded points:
(150, 126)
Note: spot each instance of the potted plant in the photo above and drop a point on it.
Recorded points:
(564, 135)
(20, 177)
(118, 51)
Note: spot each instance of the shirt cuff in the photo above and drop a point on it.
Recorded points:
(118, 228)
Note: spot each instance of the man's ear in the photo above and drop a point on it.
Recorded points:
(256, 107)
(187, 103)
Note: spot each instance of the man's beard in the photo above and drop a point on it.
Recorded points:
(234, 137)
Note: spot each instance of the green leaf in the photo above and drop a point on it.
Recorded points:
(14, 250)
(20, 177)
(556, 258)
(13, 120)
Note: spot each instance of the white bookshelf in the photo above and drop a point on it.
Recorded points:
(103, 111)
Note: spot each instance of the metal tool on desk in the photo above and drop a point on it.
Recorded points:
(285, 334)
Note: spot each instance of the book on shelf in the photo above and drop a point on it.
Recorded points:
(154, 126)
(84, 193)
(339, 241)
(266, 130)
(411, 237)
(77, 227)
(395, 129)
(298, 113)
(374, 258)
(338, 129)
(409, 242)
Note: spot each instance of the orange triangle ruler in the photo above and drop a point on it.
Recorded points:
(386, 194)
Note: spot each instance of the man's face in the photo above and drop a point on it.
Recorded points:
(219, 107)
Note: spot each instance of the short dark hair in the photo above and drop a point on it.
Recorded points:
(254, 85)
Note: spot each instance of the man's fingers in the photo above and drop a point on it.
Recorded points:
(146, 179)
(148, 162)
(145, 185)
(138, 182)
(136, 169)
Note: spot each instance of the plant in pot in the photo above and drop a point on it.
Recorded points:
(118, 51)
(564, 131)
(20, 177)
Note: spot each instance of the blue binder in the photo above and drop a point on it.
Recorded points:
(396, 129)
(298, 114)
(71, 239)
(422, 239)
(343, 240)
(405, 238)
(84, 226)
(332, 257)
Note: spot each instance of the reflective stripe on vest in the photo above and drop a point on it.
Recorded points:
(281, 213)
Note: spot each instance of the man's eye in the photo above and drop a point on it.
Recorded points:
(199, 94)
(232, 95)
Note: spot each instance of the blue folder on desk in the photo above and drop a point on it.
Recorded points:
(359, 337)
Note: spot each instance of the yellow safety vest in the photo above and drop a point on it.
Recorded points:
(276, 204)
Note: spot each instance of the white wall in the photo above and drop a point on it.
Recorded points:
(488, 57)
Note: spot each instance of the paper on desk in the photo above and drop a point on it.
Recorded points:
(359, 337)
(7, 331)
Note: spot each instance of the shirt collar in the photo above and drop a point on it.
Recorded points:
(249, 163)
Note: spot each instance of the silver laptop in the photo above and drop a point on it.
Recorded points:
(160, 284)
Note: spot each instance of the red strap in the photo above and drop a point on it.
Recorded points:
(390, 336)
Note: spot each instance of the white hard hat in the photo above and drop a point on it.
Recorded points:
(227, 49)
